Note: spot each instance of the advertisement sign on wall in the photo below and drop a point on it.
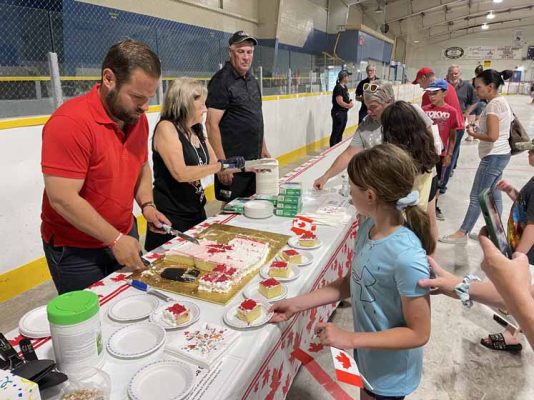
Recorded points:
(482, 53)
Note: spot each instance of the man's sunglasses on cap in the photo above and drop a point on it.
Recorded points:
(371, 87)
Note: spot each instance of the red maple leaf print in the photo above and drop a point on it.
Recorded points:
(96, 284)
(118, 278)
(315, 347)
(296, 346)
(275, 383)
(15, 341)
(287, 385)
(290, 336)
(265, 377)
(344, 360)
(313, 315)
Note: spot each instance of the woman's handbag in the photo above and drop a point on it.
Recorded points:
(517, 134)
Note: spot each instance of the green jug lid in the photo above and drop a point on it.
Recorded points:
(72, 308)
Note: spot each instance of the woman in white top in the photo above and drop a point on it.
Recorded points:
(493, 148)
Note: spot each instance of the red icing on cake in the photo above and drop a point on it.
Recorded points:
(308, 235)
(278, 264)
(291, 252)
(215, 277)
(271, 282)
(223, 269)
(177, 309)
(218, 248)
(248, 305)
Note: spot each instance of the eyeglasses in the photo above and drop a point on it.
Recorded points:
(371, 87)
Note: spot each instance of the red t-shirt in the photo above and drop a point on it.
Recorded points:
(446, 118)
(451, 98)
(81, 141)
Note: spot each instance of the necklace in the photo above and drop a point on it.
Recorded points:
(200, 160)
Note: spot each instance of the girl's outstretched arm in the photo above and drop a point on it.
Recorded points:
(335, 291)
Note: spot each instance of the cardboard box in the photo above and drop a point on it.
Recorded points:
(286, 199)
(286, 206)
(285, 213)
(15, 387)
(291, 189)
(236, 206)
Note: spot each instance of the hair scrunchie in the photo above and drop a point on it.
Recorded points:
(411, 200)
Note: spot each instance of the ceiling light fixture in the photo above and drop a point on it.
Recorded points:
(497, 1)
(416, 41)
(484, 26)
(490, 15)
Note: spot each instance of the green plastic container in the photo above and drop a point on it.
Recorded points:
(76, 332)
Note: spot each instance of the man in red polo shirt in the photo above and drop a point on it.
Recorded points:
(95, 163)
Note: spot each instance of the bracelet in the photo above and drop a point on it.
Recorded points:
(147, 204)
(462, 289)
(112, 244)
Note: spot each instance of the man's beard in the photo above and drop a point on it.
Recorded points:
(117, 111)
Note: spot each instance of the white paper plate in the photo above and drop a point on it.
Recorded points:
(230, 317)
(162, 380)
(258, 209)
(156, 316)
(137, 340)
(294, 242)
(307, 258)
(34, 324)
(133, 308)
(252, 292)
(294, 274)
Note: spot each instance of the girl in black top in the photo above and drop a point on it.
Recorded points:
(181, 155)
(341, 103)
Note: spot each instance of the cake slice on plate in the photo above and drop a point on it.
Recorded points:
(248, 311)
(279, 269)
(308, 239)
(270, 288)
(176, 315)
(292, 256)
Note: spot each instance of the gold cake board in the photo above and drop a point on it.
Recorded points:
(221, 234)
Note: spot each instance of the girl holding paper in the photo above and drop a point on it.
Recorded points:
(391, 312)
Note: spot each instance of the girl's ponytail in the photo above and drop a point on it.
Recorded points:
(419, 222)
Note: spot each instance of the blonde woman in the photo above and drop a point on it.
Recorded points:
(182, 155)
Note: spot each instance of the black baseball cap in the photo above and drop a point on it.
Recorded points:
(343, 73)
(240, 37)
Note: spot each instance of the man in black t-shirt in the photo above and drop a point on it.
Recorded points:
(341, 103)
(235, 120)
(371, 76)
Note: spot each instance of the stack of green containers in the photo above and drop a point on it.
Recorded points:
(289, 201)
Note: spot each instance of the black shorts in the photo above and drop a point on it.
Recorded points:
(433, 188)
(378, 397)
(243, 185)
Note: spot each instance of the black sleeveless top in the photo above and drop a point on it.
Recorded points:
(179, 200)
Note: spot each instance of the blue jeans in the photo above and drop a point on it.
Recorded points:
(489, 172)
(75, 268)
(454, 160)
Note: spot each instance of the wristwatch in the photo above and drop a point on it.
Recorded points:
(462, 289)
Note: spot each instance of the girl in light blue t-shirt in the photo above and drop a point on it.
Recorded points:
(391, 312)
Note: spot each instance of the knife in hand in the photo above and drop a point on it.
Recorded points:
(170, 231)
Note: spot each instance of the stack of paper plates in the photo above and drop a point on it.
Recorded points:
(259, 209)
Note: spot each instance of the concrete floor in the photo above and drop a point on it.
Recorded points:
(456, 366)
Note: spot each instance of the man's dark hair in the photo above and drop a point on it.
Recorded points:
(127, 55)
